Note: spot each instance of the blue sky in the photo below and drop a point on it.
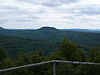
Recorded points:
(62, 14)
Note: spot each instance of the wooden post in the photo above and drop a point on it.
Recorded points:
(54, 68)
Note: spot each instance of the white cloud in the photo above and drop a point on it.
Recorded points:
(89, 1)
(56, 13)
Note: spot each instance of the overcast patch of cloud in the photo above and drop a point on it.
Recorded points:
(53, 1)
(58, 13)
(50, 3)
(88, 10)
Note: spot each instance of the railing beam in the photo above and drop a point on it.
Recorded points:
(25, 66)
(76, 62)
(54, 65)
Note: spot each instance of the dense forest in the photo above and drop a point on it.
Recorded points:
(22, 47)
(67, 51)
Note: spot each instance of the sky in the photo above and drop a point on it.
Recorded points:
(62, 14)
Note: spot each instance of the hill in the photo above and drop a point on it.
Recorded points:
(1, 28)
(50, 34)
(13, 45)
(44, 33)
(86, 39)
(83, 30)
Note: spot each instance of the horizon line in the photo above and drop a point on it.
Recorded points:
(47, 26)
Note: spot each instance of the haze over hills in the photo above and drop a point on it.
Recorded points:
(83, 30)
(1, 28)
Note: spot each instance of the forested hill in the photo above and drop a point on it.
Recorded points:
(45, 33)
(51, 34)
(13, 45)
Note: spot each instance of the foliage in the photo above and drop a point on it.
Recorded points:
(67, 51)
(28, 51)
(49, 34)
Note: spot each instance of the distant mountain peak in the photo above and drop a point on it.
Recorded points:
(48, 28)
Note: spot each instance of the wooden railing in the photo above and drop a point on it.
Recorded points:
(52, 61)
